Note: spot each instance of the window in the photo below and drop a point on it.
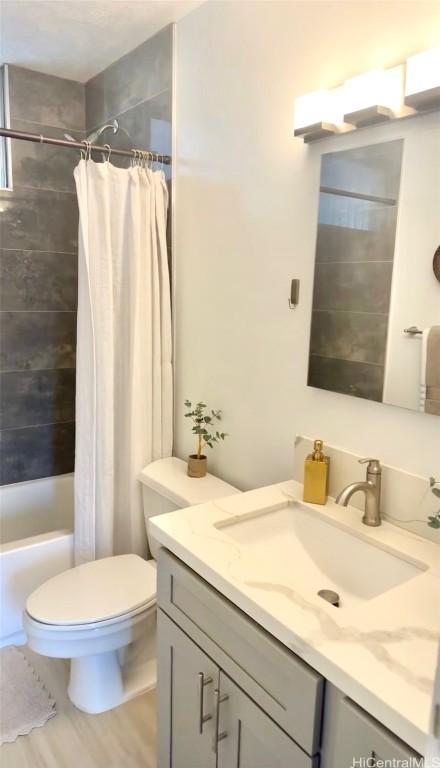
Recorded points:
(5, 168)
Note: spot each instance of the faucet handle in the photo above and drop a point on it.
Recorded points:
(373, 465)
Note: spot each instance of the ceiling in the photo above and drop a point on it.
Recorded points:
(77, 38)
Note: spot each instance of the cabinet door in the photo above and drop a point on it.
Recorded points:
(187, 679)
(352, 737)
(247, 737)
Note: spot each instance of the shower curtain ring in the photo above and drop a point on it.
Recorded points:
(109, 151)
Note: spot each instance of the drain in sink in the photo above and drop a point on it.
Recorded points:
(330, 596)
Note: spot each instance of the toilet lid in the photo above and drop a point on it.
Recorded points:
(103, 589)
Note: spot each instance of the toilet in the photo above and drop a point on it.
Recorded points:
(102, 615)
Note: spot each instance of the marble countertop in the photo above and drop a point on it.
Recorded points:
(381, 653)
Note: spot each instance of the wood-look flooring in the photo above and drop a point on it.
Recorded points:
(124, 737)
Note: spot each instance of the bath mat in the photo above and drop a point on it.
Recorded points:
(24, 701)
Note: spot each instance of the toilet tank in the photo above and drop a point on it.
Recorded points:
(166, 487)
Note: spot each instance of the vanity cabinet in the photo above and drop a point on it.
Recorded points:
(206, 720)
(231, 696)
(188, 678)
(251, 738)
(350, 734)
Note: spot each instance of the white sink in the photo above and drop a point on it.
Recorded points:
(297, 547)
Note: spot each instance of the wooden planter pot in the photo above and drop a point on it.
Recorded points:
(197, 467)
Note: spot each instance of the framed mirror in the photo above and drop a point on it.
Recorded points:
(375, 327)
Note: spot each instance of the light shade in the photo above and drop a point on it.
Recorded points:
(317, 114)
(422, 81)
(373, 97)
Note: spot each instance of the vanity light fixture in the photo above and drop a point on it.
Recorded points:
(422, 81)
(373, 97)
(317, 114)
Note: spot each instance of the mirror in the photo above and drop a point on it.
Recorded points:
(374, 286)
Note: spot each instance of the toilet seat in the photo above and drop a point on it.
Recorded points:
(95, 594)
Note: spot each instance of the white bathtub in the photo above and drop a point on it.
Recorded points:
(36, 520)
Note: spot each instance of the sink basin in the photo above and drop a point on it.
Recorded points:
(299, 548)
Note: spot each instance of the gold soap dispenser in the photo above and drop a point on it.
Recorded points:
(316, 471)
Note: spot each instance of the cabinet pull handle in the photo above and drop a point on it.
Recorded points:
(216, 736)
(202, 717)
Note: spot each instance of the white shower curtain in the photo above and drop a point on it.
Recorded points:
(124, 374)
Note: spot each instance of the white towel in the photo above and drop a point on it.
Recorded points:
(432, 753)
(425, 337)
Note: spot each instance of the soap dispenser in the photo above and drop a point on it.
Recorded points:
(316, 470)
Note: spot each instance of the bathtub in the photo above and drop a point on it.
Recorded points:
(36, 528)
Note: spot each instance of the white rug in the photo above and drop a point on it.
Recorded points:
(24, 701)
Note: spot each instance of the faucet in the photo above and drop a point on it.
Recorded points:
(371, 488)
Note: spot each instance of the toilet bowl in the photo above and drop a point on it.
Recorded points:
(102, 615)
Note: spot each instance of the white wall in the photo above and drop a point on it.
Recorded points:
(415, 296)
(246, 211)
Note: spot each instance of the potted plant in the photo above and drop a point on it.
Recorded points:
(434, 520)
(204, 428)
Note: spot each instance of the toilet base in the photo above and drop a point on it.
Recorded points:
(95, 683)
(98, 683)
(102, 681)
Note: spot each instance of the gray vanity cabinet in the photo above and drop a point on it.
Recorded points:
(352, 737)
(206, 720)
(231, 696)
(250, 738)
(188, 679)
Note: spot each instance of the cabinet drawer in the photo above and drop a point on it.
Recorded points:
(285, 687)
(351, 734)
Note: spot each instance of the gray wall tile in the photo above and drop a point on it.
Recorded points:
(362, 287)
(148, 125)
(38, 231)
(349, 336)
(46, 99)
(39, 220)
(343, 243)
(37, 340)
(32, 452)
(137, 76)
(29, 398)
(37, 280)
(37, 166)
(347, 377)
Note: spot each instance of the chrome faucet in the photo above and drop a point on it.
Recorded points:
(371, 488)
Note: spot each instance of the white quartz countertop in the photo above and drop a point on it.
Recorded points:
(381, 653)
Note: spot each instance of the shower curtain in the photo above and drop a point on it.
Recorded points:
(124, 370)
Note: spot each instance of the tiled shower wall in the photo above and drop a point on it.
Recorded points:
(38, 239)
(38, 263)
(137, 90)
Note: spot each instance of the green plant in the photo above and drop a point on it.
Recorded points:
(434, 520)
(204, 425)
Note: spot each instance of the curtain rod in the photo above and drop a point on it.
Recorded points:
(39, 139)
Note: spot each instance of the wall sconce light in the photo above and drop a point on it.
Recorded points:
(373, 97)
(317, 114)
(422, 82)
